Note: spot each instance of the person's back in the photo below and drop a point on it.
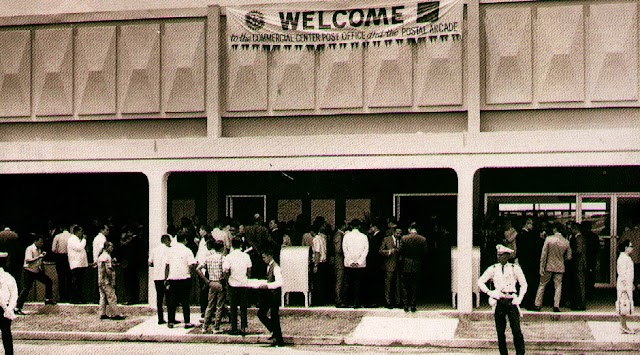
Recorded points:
(556, 252)
(412, 250)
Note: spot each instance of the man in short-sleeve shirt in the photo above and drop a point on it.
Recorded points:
(237, 268)
(180, 263)
(158, 261)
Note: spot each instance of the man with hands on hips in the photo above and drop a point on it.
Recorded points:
(505, 298)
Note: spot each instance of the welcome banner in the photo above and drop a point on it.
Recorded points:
(329, 24)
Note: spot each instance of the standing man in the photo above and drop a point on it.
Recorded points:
(355, 247)
(271, 300)
(390, 250)
(580, 269)
(530, 245)
(237, 268)
(158, 260)
(10, 244)
(413, 248)
(8, 301)
(34, 270)
(375, 276)
(98, 242)
(59, 249)
(180, 264)
(339, 265)
(555, 251)
(320, 268)
(107, 284)
(212, 266)
(78, 262)
(505, 298)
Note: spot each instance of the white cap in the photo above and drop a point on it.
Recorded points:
(501, 249)
(4, 254)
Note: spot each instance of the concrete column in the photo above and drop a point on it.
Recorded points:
(157, 217)
(212, 198)
(465, 240)
(472, 65)
(213, 87)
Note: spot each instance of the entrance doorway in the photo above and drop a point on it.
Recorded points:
(435, 216)
(242, 208)
(609, 215)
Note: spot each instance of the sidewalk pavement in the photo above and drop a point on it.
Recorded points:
(575, 331)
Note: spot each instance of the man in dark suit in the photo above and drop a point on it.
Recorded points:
(339, 265)
(530, 247)
(374, 276)
(270, 302)
(390, 250)
(413, 248)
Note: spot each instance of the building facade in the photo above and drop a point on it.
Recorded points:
(535, 110)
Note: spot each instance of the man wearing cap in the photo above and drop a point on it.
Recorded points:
(505, 298)
(8, 301)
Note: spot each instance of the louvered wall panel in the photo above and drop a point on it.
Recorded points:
(139, 68)
(340, 78)
(559, 54)
(52, 72)
(247, 80)
(183, 67)
(15, 73)
(95, 70)
(438, 73)
(612, 59)
(388, 75)
(292, 80)
(509, 69)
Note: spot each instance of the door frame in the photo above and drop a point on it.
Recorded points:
(229, 204)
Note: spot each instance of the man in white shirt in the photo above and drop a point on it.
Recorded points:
(158, 261)
(271, 299)
(34, 270)
(180, 263)
(98, 243)
(355, 247)
(505, 298)
(8, 301)
(78, 262)
(59, 249)
(320, 269)
(237, 268)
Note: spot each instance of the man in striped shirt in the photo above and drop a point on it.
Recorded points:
(217, 295)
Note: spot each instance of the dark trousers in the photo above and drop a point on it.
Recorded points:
(7, 338)
(504, 309)
(203, 294)
(29, 278)
(339, 279)
(409, 288)
(237, 298)
(392, 288)
(160, 291)
(64, 276)
(270, 304)
(320, 285)
(354, 277)
(179, 292)
(132, 284)
(77, 281)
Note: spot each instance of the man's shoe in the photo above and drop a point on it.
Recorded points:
(413, 309)
(160, 322)
(406, 309)
(277, 344)
(104, 316)
(19, 312)
(556, 309)
(50, 302)
(234, 332)
(170, 325)
(189, 325)
(536, 308)
(118, 317)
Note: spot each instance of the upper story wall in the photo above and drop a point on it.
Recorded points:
(148, 60)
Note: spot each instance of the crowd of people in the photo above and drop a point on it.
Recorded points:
(565, 253)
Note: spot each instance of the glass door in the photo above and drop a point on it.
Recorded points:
(597, 211)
